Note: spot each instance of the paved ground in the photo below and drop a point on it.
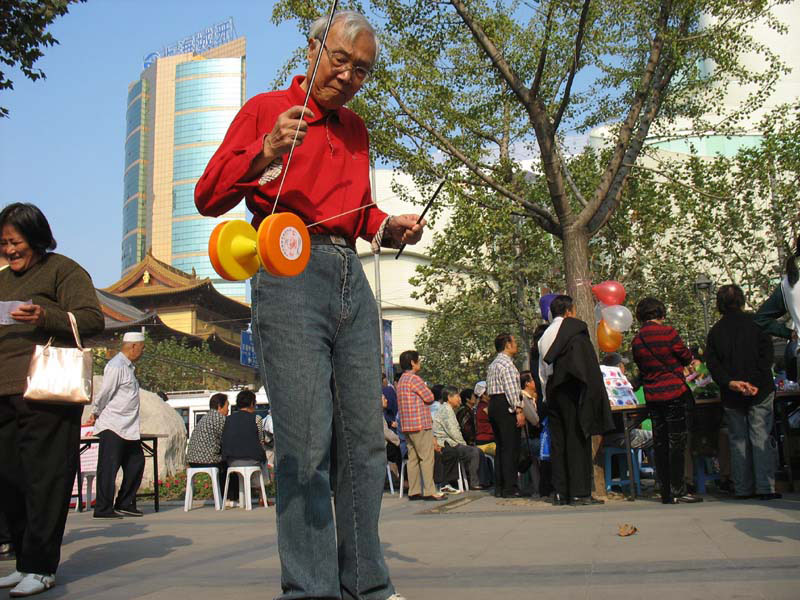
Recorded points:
(474, 547)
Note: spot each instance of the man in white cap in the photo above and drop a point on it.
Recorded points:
(115, 416)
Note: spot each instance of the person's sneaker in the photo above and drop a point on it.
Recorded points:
(11, 580)
(129, 512)
(32, 584)
(770, 496)
(450, 489)
(106, 516)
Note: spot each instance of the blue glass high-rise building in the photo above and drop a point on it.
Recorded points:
(178, 113)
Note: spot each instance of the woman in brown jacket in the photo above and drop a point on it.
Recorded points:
(38, 441)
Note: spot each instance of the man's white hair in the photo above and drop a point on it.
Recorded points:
(353, 23)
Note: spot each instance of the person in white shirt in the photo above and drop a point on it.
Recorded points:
(115, 417)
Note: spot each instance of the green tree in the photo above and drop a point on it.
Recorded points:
(170, 365)
(475, 84)
(23, 34)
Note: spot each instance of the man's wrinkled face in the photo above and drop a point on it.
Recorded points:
(341, 68)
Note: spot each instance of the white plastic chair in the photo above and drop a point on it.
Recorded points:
(245, 475)
(391, 483)
(212, 472)
(89, 477)
(403, 470)
(463, 484)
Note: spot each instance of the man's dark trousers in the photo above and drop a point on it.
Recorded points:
(507, 438)
(571, 450)
(116, 452)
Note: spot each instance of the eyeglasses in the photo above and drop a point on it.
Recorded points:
(341, 62)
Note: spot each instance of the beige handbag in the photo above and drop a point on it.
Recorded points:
(61, 375)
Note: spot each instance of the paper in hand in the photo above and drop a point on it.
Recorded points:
(6, 308)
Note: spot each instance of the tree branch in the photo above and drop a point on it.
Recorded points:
(537, 78)
(677, 182)
(568, 176)
(494, 54)
(574, 66)
(544, 218)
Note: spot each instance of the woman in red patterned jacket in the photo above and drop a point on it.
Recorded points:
(662, 358)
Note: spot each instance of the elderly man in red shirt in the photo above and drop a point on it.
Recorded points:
(315, 334)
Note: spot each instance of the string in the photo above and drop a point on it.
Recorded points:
(305, 103)
(342, 214)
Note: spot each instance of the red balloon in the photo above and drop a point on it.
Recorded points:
(609, 292)
(607, 339)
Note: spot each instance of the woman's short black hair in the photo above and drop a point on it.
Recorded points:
(730, 299)
(31, 224)
(650, 308)
(466, 394)
(560, 305)
(217, 401)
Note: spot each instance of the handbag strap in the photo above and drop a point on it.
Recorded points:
(654, 355)
(75, 333)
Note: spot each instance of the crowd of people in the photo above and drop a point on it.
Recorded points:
(541, 422)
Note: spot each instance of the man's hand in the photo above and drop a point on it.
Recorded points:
(404, 229)
(520, 419)
(436, 446)
(279, 141)
(743, 388)
(29, 313)
(90, 421)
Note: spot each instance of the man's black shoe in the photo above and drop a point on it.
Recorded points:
(478, 488)
(129, 512)
(743, 497)
(559, 500)
(515, 494)
(106, 516)
(585, 501)
(687, 499)
(415, 497)
(770, 496)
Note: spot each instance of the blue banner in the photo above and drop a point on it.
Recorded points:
(247, 351)
(388, 363)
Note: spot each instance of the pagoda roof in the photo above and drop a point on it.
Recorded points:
(152, 280)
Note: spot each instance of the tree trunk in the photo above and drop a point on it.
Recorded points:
(579, 286)
(579, 280)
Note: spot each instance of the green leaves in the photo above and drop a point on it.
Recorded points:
(23, 34)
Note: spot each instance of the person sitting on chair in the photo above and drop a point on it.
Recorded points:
(242, 437)
(205, 443)
(448, 435)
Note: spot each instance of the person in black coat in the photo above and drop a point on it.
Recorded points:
(578, 408)
(739, 356)
(241, 439)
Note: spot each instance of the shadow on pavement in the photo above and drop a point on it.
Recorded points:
(123, 529)
(767, 530)
(112, 555)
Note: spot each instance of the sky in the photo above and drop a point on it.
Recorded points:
(62, 146)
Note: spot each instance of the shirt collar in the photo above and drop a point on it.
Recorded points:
(297, 95)
(125, 360)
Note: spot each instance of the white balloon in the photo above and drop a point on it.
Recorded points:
(617, 317)
(598, 312)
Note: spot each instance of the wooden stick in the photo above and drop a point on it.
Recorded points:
(422, 216)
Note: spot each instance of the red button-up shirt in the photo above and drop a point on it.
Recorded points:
(328, 175)
(413, 403)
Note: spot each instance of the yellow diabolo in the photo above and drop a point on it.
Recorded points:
(282, 245)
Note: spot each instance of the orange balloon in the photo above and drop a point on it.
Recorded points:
(608, 339)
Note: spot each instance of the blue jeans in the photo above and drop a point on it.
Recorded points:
(752, 448)
(316, 337)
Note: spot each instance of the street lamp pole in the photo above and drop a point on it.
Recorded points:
(702, 289)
